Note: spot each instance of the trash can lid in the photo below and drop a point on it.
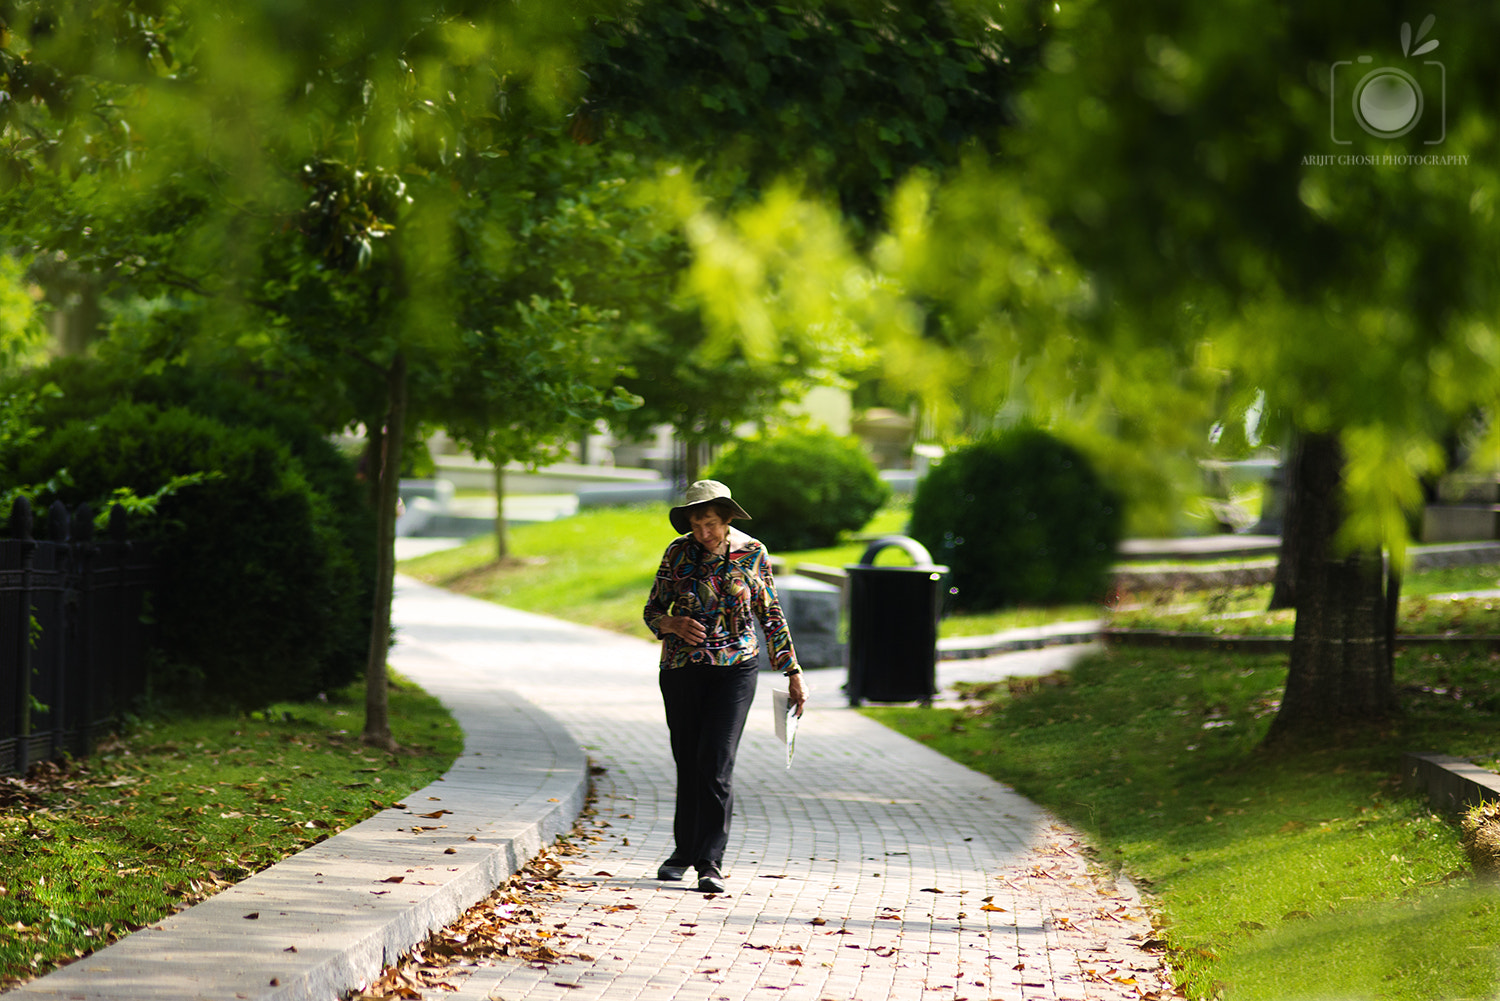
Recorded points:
(906, 544)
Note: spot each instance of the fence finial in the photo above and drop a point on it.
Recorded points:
(57, 521)
(21, 520)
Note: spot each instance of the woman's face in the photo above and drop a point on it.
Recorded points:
(709, 529)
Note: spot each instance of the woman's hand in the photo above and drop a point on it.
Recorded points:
(796, 692)
(685, 626)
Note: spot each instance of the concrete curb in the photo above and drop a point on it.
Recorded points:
(1012, 640)
(327, 921)
(1450, 784)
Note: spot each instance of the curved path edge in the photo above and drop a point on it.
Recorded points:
(329, 919)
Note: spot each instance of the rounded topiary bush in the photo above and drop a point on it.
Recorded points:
(258, 595)
(802, 488)
(1021, 518)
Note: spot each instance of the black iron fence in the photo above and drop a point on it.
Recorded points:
(73, 632)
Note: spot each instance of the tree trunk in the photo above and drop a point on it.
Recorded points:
(1284, 587)
(78, 321)
(377, 716)
(1340, 667)
(692, 462)
(502, 535)
(1392, 612)
(369, 469)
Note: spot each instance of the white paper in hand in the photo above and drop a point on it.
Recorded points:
(786, 721)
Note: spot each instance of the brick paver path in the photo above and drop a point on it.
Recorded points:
(874, 868)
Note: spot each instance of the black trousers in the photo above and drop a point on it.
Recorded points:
(706, 710)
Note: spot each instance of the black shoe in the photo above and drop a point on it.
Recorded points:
(710, 880)
(672, 870)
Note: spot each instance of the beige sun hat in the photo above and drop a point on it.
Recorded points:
(698, 494)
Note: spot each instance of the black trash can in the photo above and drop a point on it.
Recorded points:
(893, 625)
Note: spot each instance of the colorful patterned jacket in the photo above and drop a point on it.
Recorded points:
(727, 595)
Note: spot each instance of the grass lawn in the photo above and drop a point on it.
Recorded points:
(1291, 874)
(596, 568)
(172, 811)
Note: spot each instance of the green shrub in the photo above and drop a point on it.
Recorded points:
(802, 488)
(258, 596)
(1021, 518)
(89, 388)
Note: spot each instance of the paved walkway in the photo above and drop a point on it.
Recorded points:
(875, 867)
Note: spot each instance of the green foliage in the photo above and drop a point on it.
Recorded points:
(803, 488)
(1021, 518)
(1350, 277)
(174, 810)
(750, 340)
(20, 332)
(850, 95)
(1306, 873)
(18, 426)
(80, 390)
(838, 99)
(291, 195)
(138, 508)
(257, 597)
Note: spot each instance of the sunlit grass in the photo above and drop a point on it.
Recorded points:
(989, 623)
(175, 810)
(1293, 874)
(1426, 608)
(596, 568)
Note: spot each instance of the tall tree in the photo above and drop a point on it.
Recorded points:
(1224, 183)
(846, 95)
(294, 184)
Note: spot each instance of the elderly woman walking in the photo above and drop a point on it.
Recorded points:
(713, 585)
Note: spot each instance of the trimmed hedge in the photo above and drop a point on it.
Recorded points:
(1020, 519)
(260, 596)
(802, 488)
(90, 388)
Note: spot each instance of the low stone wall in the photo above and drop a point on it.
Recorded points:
(1194, 577)
(1251, 573)
(1450, 784)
